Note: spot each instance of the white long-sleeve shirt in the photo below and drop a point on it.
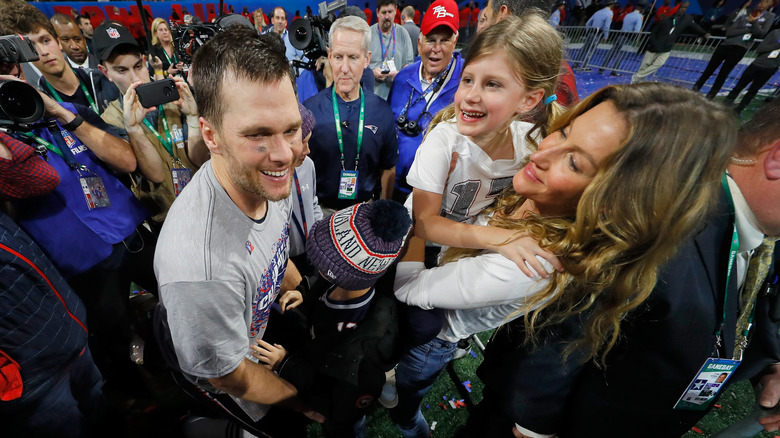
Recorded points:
(477, 293)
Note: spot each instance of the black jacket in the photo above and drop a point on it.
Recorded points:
(663, 344)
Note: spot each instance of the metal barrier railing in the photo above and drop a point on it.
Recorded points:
(622, 52)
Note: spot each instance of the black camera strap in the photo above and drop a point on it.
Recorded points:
(434, 87)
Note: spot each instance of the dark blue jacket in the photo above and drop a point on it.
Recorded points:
(42, 321)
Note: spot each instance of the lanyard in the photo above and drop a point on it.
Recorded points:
(83, 90)
(360, 126)
(434, 86)
(382, 44)
(168, 58)
(732, 254)
(166, 144)
(58, 148)
(300, 205)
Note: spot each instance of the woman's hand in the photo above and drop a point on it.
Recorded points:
(522, 250)
(269, 355)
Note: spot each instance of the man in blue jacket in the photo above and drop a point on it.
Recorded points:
(425, 87)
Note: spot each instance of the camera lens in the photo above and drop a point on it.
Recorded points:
(20, 102)
(167, 91)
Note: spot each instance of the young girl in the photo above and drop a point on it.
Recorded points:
(508, 69)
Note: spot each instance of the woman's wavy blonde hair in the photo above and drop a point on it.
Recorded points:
(534, 48)
(155, 24)
(647, 197)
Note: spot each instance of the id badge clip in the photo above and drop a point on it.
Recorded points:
(348, 184)
(94, 190)
(705, 387)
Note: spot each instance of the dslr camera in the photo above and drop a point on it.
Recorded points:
(21, 107)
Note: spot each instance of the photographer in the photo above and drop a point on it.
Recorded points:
(391, 47)
(50, 384)
(85, 87)
(425, 87)
(90, 226)
(165, 139)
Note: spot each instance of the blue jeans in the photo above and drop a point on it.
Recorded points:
(415, 374)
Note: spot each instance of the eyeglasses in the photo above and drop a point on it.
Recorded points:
(445, 43)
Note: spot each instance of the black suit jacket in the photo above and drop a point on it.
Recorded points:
(663, 345)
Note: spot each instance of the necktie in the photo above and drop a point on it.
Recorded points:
(758, 268)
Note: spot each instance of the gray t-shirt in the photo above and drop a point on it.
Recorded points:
(219, 272)
(401, 54)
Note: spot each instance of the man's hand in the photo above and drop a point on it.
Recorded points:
(186, 101)
(324, 65)
(769, 397)
(378, 75)
(134, 112)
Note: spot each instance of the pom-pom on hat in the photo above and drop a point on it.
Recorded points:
(353, 247)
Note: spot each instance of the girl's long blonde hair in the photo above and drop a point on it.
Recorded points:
(535, 50)
(645, 200)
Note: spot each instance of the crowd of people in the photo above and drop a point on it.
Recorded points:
(309, 227)
(753, 26)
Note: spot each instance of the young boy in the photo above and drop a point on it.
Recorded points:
(340, 371)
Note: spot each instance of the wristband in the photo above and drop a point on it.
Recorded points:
(73, 124)
(159, 72)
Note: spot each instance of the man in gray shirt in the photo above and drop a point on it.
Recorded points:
(391, 48)
(223, 249)
(407, 16)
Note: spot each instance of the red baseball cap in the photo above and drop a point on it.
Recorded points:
(440, 13)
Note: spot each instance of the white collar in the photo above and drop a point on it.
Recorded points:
(747, 226)
(85, 64)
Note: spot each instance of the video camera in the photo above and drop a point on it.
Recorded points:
(189, 38)
(21, 107)
(311, 34)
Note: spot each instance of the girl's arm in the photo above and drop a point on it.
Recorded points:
(469, 283)
(430, 226)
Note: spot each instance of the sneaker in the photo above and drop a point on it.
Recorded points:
(601, 71)
(614, 73)
(464, 349)
(389, 396)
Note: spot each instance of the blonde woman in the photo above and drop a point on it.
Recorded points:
(623, 178)
(164, 48)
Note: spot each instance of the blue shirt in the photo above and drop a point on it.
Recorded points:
(602, 19)
(407, 82)
(555, 18)
(632, 22)
(378, 153)
(72, 236)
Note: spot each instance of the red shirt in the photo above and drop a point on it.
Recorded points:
(369, 15)
(25, 174)
(416, 18)
(474, 17)
(465, 13)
